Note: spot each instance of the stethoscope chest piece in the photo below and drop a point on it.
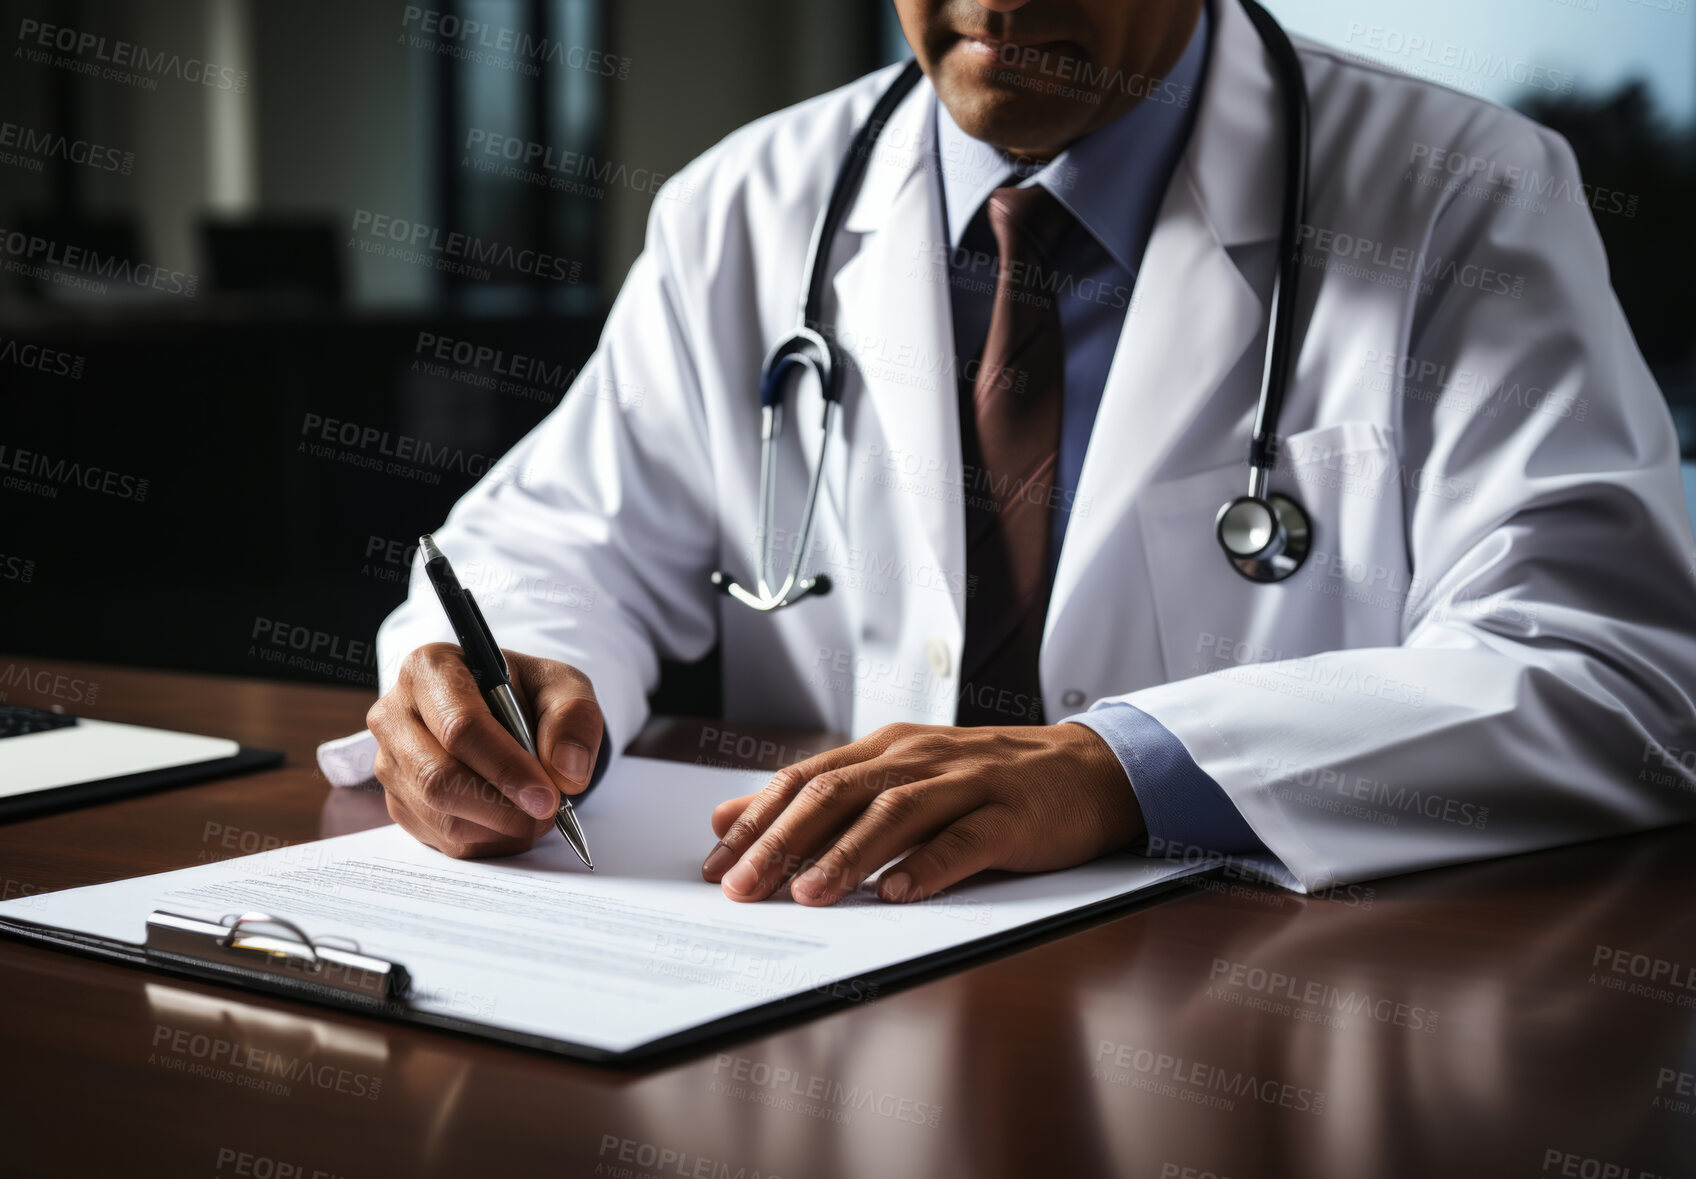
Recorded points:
(1266, 539)
(1265, 536)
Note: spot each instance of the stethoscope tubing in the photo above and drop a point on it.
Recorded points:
(1265, 537)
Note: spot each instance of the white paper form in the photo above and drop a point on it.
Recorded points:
(638, 950)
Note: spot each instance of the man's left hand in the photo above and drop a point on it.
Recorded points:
(1019, 798)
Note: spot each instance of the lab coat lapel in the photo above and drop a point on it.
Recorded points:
(894, 323)
(1192, 314)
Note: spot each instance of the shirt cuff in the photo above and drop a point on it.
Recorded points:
(1182, 806)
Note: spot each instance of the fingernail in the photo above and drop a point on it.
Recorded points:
(742, 878)
(809, 883)
(720, 858)
(572, 760)
(537, 803)
(895, 888)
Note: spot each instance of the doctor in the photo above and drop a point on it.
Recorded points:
(1051, 295)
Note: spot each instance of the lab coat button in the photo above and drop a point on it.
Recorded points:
(936, 650)
(1073, 698)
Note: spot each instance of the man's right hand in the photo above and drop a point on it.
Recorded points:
(459, 782)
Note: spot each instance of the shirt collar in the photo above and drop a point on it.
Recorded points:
(1111, 180)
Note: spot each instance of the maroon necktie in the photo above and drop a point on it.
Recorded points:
(1010, 434)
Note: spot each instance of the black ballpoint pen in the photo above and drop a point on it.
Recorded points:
(488, 666)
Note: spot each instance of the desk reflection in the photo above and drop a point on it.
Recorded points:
(1454, 1023)
(1413, 1033)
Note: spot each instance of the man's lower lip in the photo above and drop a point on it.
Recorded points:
(1005, 53)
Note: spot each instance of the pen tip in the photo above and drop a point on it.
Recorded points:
(566, 820)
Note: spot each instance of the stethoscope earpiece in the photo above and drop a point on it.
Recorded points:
(1266, 539)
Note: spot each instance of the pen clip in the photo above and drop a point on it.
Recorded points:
(482, 654)
(489, 638)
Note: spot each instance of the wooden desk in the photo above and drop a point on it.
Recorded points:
(1485, 1034)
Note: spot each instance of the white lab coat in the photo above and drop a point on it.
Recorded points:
(1493, 646)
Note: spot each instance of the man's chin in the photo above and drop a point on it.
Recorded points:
(1013, 120)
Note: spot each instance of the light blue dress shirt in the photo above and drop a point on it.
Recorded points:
(1112, 181)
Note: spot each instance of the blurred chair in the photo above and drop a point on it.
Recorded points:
(293, 257)
(114, 236)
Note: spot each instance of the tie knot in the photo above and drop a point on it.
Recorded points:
(1026, 221)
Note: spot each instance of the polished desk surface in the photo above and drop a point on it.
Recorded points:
(1485, 1039)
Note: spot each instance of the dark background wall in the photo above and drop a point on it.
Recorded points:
(221, 520)
(170, 506)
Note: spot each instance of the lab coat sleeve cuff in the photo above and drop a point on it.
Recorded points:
(1182, 806)
(350, 760)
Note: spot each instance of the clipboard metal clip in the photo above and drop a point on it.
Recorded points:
(258, 944)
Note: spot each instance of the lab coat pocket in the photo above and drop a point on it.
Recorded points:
(1348, 593)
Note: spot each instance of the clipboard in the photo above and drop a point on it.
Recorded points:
(237, 952)
(637, 959)
(242, 948)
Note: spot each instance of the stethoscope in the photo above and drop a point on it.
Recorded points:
(1265, 535)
